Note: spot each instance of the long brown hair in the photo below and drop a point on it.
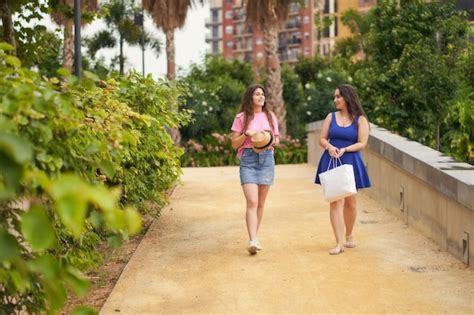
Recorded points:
(247, 106)
(354, 107)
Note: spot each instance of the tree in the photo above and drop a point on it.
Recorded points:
(10, 7)
(216, 89)
(119, 18)
(168, 15)
(62, 14)
(267, 15)
(409, 80)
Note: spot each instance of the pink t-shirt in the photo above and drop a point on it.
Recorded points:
(258, 123)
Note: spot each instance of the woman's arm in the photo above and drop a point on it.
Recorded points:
(362, 137)
(323, 138)
(237, 139)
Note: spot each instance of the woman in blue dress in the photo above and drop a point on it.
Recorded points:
(344, 134)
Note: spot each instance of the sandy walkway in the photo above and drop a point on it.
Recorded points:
(194, 259)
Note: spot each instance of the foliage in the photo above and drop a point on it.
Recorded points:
(216, 150)
(216, 90)
(458, 141)
(407, 80)
(75, 157)
(119, 17)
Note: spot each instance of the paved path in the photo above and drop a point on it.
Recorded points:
(193, 259)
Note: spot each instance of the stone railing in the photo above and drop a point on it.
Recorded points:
(429, 191)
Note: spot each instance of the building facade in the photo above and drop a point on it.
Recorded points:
(230, 37)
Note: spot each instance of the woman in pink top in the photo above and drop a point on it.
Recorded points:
(257, 170)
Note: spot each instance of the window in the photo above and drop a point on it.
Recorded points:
(215, 47)
(228, 15)
(326, 7)
(335, 26)
(326, 32)
(215, 31)
(259, 40)
(229, 29)
(215, 15)
(305, 19)
(259, 55)
(306, 35)
(229, 44)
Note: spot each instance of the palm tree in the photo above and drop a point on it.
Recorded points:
(62, 14)
(120, 24)
(168, 15)
(266, 16)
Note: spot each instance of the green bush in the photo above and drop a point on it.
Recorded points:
(216, 150)
(76, 158)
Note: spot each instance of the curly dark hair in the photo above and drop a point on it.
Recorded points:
(247, 106)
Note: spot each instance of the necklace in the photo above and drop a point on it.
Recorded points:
(346, 121)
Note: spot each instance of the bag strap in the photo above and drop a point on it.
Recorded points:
(334, 161)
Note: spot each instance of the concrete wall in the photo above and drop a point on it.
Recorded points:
(429, 191)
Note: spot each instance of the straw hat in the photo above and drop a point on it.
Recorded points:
(261, 140)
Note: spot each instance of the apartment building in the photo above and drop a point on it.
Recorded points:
(230, 37)
(334, 10)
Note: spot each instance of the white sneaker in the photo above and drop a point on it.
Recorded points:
(252, 248)
(259, 246)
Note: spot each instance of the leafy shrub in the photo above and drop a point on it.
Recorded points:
(216, 150)
(75, 157)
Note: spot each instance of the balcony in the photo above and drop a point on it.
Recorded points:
(211, 38)
(209, 22)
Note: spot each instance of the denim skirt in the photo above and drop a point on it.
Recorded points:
(257, 168)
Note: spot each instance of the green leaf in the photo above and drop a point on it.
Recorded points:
(91, 76)
(20, 150)
(107, 168)
(104, 198)
(114, 241)
(64, 72)
(6, 46)
(134, 221)
(10, 174)
(8, 244)
(67, 184)
(77, 281)
(37, 229)
(95, 219)
(115, 220)
(83, 310)
(55, 293)
(46, 265)
(21, 282)
(72, 211)
(13, 61)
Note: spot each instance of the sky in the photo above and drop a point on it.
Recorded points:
(190, 44)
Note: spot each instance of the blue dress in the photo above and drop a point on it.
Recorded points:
(341, 137)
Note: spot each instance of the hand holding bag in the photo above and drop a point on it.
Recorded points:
(338, 182)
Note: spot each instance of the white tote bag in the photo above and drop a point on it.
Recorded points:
(338, 182)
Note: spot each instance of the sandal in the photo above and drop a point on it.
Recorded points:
(336, 250)
(350, 242)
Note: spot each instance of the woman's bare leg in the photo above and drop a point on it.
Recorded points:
(251, 196)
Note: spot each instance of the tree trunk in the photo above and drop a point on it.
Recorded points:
(274, 85)
(171, 70)
(68, 46)
(8, 31)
